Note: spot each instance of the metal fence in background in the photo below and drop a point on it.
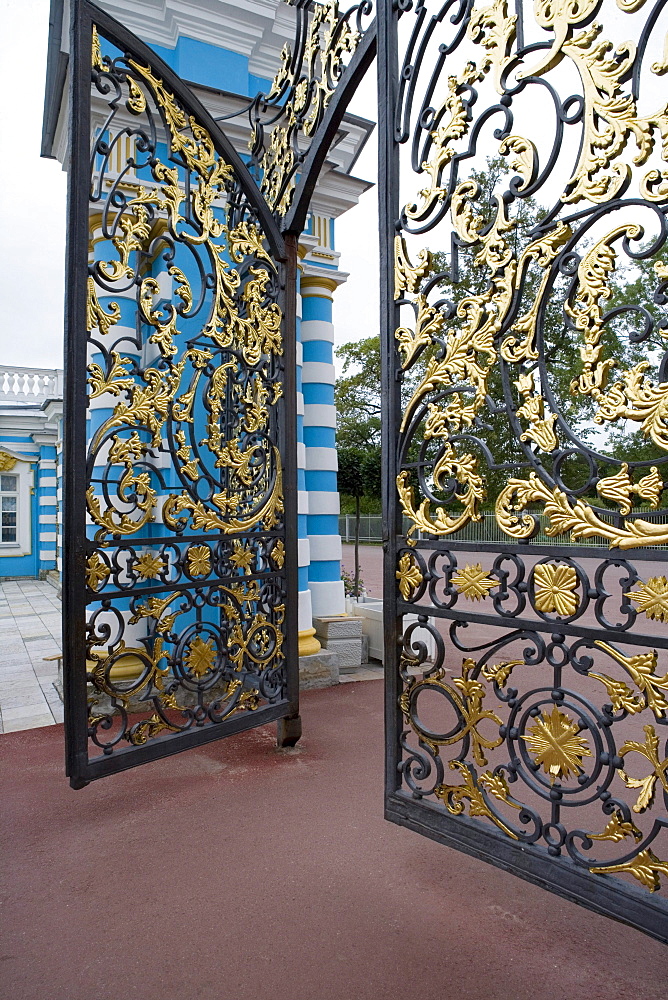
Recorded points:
(485, 530)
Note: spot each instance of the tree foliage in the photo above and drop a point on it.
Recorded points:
(625, 338)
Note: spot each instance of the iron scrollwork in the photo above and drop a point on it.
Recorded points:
(188, 602)
(284, 121)
(546, 727)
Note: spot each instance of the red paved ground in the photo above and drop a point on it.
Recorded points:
(239, 872)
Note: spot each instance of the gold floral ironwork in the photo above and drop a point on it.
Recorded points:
(97, 571)
(304, 85)
(199, 560)
(647, 785)
(645, 867)
(242, 556)
(467, 696)
(200, 656)
(188, 416)
(408, 575)
(652, 598)
(278, 554)
(555, 589)
(149, 566)
(473, 582)
(474, 790)
(557, 745)
(477, 322)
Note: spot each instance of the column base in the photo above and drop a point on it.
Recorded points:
(308, 644)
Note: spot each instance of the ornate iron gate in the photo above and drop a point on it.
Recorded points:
(525, 372)
(180, 540)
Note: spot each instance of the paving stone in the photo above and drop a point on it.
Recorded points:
(338, 627)
(348, 651)
(29, 722)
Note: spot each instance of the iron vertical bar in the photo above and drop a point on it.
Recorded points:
(289, 729)
(388, 187)
(74, 432)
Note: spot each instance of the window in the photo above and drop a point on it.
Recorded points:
(9, 488)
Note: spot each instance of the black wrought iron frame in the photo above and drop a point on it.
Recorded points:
(79, 767)
(604, 894)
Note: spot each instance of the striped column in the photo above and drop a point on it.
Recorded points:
(308, 644)
(324, 579)
(47, 486)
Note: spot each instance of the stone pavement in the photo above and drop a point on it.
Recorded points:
(29, 630)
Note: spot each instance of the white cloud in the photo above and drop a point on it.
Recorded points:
(32, 197)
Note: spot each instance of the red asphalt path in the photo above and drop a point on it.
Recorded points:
(240, 872)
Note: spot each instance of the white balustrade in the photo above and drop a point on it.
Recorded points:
(29, 385)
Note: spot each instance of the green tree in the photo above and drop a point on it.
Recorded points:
(633, 287)
(358, 394)
(351, 482)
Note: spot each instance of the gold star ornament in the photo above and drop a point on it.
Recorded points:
(652, 598)
(149, 566)
(200, 656)
(557, 745)
(473, 582)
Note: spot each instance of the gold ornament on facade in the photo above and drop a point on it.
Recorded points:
(554, 588)
(556, 744)
(7, 461)
(473, 582)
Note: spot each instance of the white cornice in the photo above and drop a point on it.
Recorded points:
(254, 28)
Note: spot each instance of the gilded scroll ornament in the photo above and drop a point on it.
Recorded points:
(303, 87)
(7, 461)
(530, 315)
(185, 373)
(650, 750)
(641, 667)
(645, 867)
(473, 791)
(467, 695)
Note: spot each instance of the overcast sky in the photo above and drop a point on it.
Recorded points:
(32, 208)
